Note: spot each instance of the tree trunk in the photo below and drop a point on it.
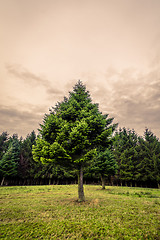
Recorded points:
(81, 196)
(103, 181)
(2, 181)
(50, 181)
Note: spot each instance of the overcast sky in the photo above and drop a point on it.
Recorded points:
(113, 46)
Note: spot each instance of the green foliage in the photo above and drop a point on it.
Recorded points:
(105, 163)
(71, 133)
(124, 151)
(9, 161)
(26, 163)
(3, 143)
(72, 129)
(76, 136)
(46, 152)
(138, 158)
(148, 166)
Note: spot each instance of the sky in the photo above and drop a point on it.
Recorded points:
(112, 46)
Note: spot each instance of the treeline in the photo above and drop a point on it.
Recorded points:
(137, 158)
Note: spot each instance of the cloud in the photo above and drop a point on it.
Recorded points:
(22, 122)
(132, 98)
(32, 79)
(27, 76)
(135, 100)
(54, 91)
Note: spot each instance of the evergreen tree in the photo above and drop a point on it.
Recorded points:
(71, 133)
(104, 164)
(138, 158)
(3, 143)
(127, 168)
(9, 161)
(26, 158)
(148, 167)
(125, 151)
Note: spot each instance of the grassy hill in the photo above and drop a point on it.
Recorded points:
(52, 212)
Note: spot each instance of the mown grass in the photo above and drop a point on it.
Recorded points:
(52, 212)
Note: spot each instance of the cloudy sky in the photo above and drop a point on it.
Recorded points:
(113, 46)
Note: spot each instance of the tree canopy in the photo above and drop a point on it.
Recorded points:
(138, 158)
(9, 161)
(72, 132)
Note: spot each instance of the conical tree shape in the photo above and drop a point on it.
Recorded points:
(71, 133)
(9, 161)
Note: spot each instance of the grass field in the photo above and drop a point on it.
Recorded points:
(52, 212)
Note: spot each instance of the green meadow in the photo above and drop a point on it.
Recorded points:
(52, 212)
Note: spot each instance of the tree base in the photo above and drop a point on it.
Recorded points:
(81, 200)
(2, 181)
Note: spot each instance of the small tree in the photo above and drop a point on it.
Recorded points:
(9, 161)
(71, 133)
(124, 149)
(105, 165)
(148, 167)
(26, 158)
(3, 143)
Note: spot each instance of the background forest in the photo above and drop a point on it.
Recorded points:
(137, 157)
(123, 158)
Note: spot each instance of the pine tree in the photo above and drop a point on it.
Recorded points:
(148, 167)
(26, 162)
(104, 164)
(125, 151)
(3, 143)
(71, 133)
(9, 161)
